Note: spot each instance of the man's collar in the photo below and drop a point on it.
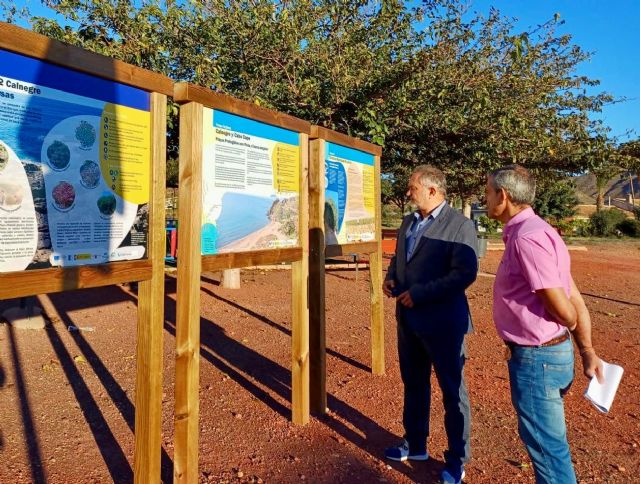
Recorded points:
(434, 213)
(516, 220)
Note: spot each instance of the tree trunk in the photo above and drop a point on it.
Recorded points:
(599, 200)
(466, 208)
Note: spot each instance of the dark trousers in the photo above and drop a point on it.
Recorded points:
(445, 353)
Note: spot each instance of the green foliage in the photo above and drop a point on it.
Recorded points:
(605, 222)
(172, 172)
(391, 216)
(424, 82)
(394, 186)
(580, 228)
(629, 227)
(555, 200)
(636, 213)
(489, 224)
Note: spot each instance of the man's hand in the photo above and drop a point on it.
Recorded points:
(405, 299)
(387, 286)
(592, 365)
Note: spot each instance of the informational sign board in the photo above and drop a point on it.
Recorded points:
(82, 193)
(243, 202)
(250, 184)
(350, 205)
(75, 165)
(344, 220)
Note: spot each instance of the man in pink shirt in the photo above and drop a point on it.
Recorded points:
(536, 309)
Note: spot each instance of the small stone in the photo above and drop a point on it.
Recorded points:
(621, 469)
(240, 474)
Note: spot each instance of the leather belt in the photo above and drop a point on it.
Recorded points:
(552, 342)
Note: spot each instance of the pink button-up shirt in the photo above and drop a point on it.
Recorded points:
(535, 257)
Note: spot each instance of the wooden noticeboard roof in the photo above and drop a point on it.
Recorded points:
(25, 42)
(185, 92)
(344, 140)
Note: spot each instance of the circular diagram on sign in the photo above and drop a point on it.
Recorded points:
(64, 196)
(58, 155)
(86, 135)
(106, 204)
(89, 174)
(4, 157)
(11, 195)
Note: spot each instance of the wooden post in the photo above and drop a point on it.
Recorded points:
(148, 399)
(188, 296)
(317, 324)
(300, 301)
(375, 276)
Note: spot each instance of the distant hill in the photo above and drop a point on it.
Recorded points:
(616, 188)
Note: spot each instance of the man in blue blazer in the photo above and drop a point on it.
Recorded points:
(435, 261)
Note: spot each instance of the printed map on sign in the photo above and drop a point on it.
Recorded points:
(74, 167)
(349, 208)
(250, 184)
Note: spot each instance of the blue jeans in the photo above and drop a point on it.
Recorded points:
(540, 376)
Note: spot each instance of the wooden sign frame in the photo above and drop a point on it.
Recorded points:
(191, 263)
(318, 250)
(148, 272)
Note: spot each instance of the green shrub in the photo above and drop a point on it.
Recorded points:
(489, 224)
(605, 222)
(581, 228)
(636, 212)
(629, 227)
(391, 216)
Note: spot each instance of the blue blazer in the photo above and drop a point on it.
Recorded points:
(444, 263)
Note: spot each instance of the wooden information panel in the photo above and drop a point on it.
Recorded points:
(344, 219)
(243, 201)
(82, 180)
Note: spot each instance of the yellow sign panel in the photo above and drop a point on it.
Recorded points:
(286, 168)
(125, 151)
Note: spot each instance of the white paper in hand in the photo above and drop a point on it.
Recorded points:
(601, 395)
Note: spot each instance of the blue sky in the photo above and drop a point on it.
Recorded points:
(608, 29)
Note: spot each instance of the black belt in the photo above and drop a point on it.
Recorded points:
(552, 342)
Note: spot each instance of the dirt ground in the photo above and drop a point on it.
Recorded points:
(66, 398)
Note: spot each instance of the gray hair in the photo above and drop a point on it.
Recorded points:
(517, 181)
(429, 175)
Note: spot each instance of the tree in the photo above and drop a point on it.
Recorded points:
(555, 199)
(394, 187)
(601, 159)
(630, 157)
(429, 85)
